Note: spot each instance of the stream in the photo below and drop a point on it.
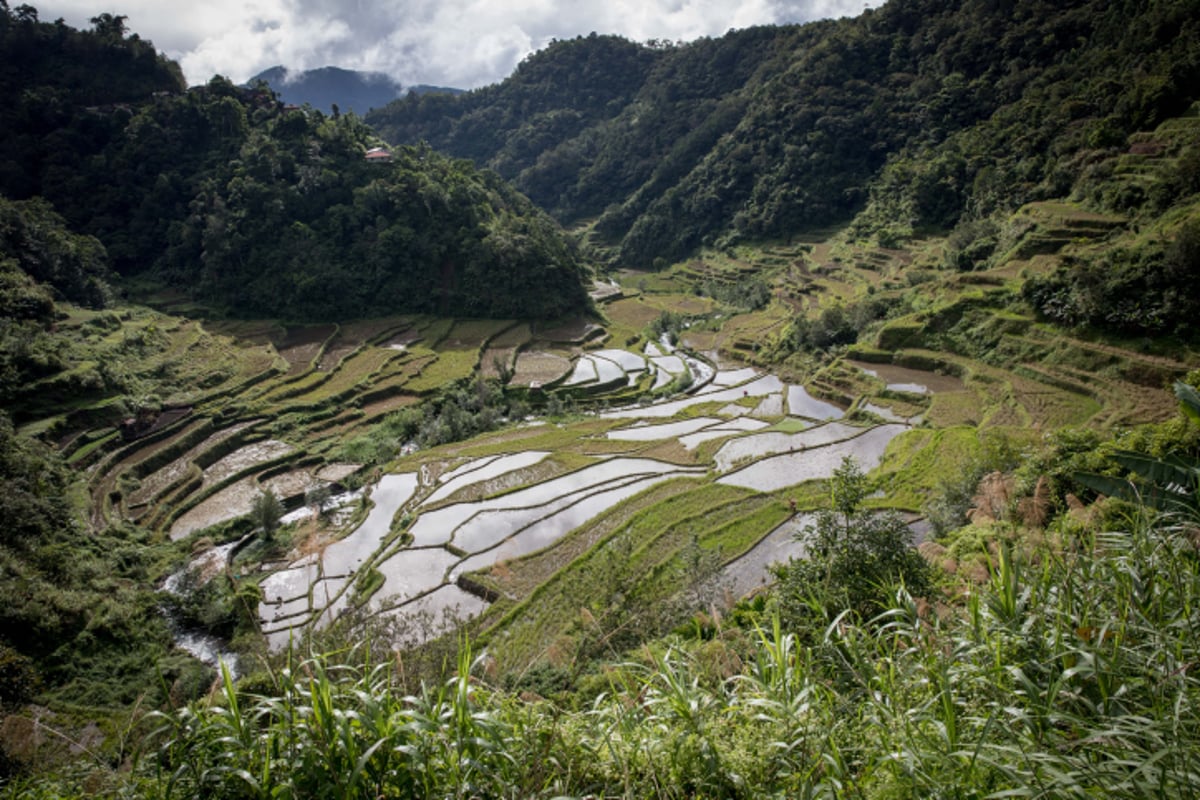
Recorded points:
(204, 647)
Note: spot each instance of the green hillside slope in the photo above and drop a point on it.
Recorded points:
(255, 207)
(927, 112)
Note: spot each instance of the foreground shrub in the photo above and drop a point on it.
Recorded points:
(1070, 676)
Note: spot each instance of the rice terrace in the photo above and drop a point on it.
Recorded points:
(809, 409)
(494, 527)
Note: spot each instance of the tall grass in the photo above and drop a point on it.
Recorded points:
(1075, 674)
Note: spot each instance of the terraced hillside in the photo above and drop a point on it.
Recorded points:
(668, 449)
(629, 505)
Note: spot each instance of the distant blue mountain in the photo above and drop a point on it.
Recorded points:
(350, 90)
(425, 88)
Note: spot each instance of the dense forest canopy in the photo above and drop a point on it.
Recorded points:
(924, 113)
(257, 207)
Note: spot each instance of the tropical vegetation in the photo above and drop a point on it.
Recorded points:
(227, 337)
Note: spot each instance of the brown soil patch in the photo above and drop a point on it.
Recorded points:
(337, 472)
(403, 339)
(244, 458)
(575, 331)
(368, 330)
(333, 355)
(230, 502)
(381, 407)
(632, 312)
(672, 452)
(702, 341)
(513, 337)
(494, 355)
(539, 368)
(301, 345)
(159, 480)
(291, 484)
(471, 334)
(354, 335)
(258, 332)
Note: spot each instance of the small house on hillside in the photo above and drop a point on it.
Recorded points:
(378, 154)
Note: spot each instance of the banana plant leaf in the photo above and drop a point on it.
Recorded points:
(1189, 400)
(1162, 498)
(1169, 483)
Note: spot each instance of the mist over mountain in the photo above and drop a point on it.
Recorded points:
(326, 87)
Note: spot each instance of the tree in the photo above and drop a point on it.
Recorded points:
(855, 559)
(110, 26)
(318, 497)
(266, 512)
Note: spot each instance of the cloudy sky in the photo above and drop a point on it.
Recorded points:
(462, 43)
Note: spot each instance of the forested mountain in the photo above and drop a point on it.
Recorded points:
(53, 82)
(327, 87)
(256, 207)
(349, 90)
(923, 112)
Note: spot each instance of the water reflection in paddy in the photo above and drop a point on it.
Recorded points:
(438, 526)
(489, 527)
(435, 613)
(630, 362)
(731, 428)
(906, 379)
(669, 430)
(584, 372)
(420, 577)
(485, 469)
(607, 371)
(791, 469)
(547, 530)
(344, 556)
(412, 572)
(553, 528)
(768, 384)
(771, 406)
(551, 522)
(672, 364)
(288, 584)
(727, 378)
(765, 444)
(802, 404)
(750, 570)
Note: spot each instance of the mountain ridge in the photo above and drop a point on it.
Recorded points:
(919, 105)
(329, 86)
(257, 207)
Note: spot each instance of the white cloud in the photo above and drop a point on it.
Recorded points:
(464, 43)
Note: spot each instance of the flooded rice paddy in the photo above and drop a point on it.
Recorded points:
(792, 469)
(802, 404)
(914, 381)
(437, 522)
